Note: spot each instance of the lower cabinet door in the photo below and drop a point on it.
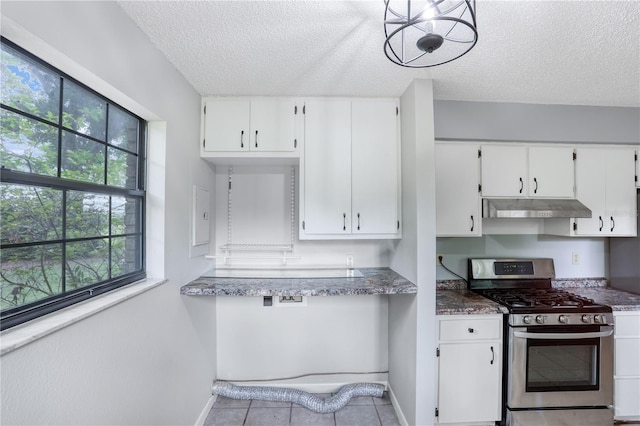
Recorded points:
(469, 386)
(626, 398)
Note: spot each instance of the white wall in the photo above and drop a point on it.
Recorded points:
(515, 122)
(412, 323)
(330, 334)
(592, 253)
(151, 359)
(261, 214)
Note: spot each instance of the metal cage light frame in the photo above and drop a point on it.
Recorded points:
(426, 33)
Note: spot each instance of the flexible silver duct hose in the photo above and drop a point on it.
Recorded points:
(305, 399)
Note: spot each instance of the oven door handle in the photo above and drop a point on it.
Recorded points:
(562, 336)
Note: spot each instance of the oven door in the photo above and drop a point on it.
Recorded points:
(560, 366)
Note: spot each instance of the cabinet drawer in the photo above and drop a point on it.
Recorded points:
(471, 328)
(626, 396)
(627, 353)
(627, 325)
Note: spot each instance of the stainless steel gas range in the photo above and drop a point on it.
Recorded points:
(558, 347)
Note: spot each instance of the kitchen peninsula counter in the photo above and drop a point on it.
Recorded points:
(374, 281)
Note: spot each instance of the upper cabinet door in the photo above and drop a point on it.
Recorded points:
(591, 183)
(326, 180)
(272, 125)
(605, 183)
(227, 125)
(551, 172)
(374, 156)
(504, 171)
(637, 158)
(458, 211)
(621, 200)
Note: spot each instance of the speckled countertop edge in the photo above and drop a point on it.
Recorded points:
(453, 298)
(374, 281)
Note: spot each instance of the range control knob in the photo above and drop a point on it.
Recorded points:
(540, 319)
(563, 319)
(586, 318)
(600, 319)
(526, 319)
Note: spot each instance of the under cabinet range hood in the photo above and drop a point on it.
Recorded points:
(533, 208)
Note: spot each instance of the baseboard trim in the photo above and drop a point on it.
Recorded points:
(396, 406)
(205, 411)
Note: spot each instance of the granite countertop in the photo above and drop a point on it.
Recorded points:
(373, 281)
(452, 297)
(619, 300)
(465, 302)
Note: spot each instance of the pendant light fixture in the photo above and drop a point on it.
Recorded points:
(425, 33)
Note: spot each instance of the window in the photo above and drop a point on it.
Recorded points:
(72, 190)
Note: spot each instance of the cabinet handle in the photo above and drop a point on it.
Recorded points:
(358, 221)
(256, 138)
(493, 355)
(535, 190)
(473, 223)
(241, 138)
(613, 223)
(471, 330)
(521, 185)
(601, 223)
(344, 221)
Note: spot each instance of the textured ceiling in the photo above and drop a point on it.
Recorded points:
(550, 52)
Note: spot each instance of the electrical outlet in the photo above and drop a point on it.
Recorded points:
(575, 258)
(290, 301)
(350, 261)
(438, 257)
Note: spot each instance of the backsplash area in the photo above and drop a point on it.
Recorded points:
(261, 208)
(591, 253)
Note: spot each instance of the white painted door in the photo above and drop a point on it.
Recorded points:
(551, 172)
(469, 385)
(605, 183)
(591, 190)
(374, 161)
(626, 397)
(504, 171)
(226, 125)
(272, 125)
(637, 157)
(458, 208)
(621, 201)
(326, 168)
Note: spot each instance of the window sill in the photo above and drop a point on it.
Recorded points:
(33, 330)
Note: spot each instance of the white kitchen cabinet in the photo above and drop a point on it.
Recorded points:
(626, 397)
(458, 202)
(637, 157)
(349, 170)
(375, 167)
(605, 183)
(249, 125)
(326, 168)
(521, 171)
(469, 368)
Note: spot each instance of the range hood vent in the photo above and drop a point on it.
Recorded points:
(533, 208)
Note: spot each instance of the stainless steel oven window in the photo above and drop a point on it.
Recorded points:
(554, 365)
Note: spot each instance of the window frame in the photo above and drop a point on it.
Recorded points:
(21, 314)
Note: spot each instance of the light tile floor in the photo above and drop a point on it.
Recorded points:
(361, 411)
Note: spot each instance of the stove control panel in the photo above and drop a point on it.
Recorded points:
(527, 320)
